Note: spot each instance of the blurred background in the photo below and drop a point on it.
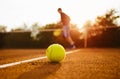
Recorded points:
(27, 23)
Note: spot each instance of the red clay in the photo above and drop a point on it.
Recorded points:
(84, 64)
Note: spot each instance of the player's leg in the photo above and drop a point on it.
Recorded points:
(72, 44)
(66, 34)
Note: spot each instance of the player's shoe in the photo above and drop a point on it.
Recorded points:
(72, 47)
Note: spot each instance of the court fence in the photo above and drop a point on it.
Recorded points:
(109, 37)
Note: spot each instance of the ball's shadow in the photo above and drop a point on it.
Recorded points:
(41, 72)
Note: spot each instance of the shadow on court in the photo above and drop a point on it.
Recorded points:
(41, 72)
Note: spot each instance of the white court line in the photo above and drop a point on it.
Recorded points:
(30, 60)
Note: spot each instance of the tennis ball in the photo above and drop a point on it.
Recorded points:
(55, 53)
(57, 32)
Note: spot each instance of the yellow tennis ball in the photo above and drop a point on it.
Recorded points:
(55, 53)
(57, 32)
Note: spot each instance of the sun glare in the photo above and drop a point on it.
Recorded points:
(16, 12)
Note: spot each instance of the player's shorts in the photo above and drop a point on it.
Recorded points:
(66, 31)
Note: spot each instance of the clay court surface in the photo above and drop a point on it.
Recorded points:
(85, 63)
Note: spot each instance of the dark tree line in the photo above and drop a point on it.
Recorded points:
(109, 19)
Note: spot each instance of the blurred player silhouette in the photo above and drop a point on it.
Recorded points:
(65, 21)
